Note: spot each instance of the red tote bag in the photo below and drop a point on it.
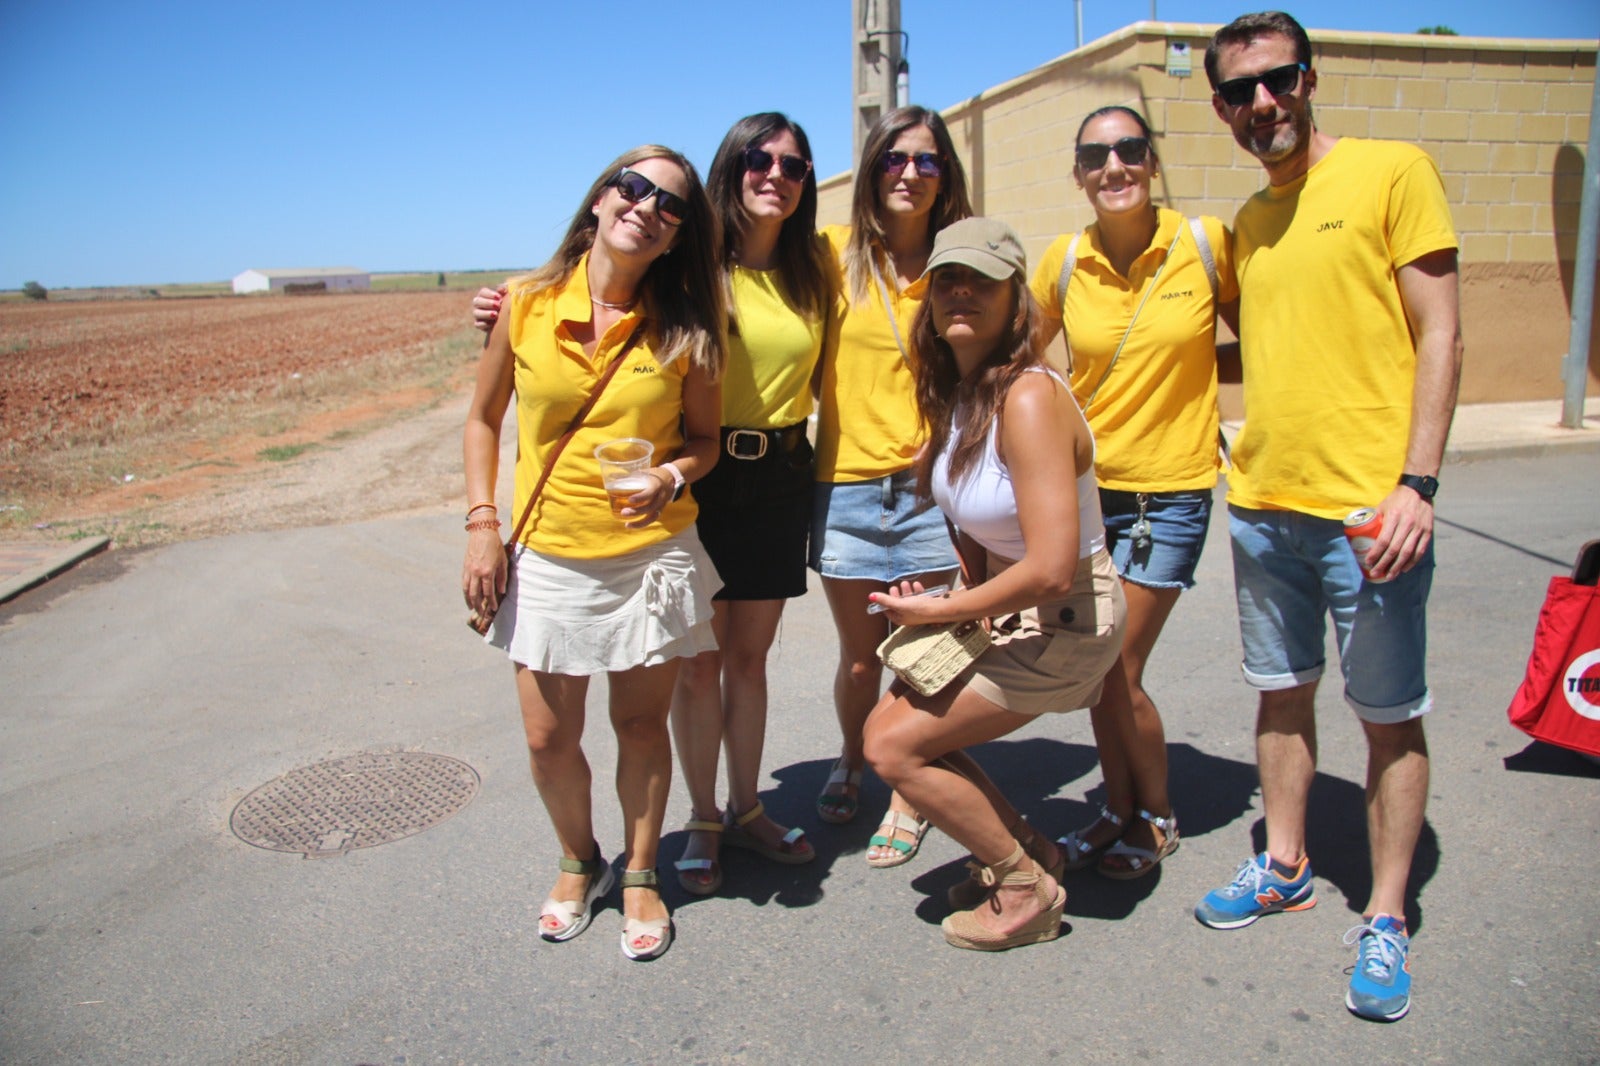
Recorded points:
(1559, 701)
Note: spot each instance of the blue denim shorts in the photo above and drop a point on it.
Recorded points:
(1290, 570)
(877, 530)
(1178, 522)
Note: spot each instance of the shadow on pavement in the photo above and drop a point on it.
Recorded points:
(1541, 758)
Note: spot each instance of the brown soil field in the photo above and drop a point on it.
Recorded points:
(162, 420)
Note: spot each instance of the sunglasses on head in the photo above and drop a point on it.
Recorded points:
(792, 167)
(929, 164)
(635, 188)
(1133, 151)
(1280, 81)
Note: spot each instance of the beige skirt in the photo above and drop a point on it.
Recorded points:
(1055, 656)
(592, 616)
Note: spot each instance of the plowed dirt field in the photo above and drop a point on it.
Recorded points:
(146, 418)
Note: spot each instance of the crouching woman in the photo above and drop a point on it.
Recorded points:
(1005, 440)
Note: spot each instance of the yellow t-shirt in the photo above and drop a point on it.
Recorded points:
(867, 423)
(1329, 360)
(553, 377)
(773, 350)
(1155, 418)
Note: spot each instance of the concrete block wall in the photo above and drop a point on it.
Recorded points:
(1507, 121)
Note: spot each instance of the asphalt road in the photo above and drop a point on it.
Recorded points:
(146, 693)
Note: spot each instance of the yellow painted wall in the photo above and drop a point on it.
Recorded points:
(1507, 121)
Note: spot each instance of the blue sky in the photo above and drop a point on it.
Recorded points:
(174, 141)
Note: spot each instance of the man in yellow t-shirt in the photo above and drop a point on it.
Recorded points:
(1351, 345)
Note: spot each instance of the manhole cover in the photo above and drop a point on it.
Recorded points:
(356, 802)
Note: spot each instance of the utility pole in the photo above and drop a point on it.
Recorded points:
(878, 61)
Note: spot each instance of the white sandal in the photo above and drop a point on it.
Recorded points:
(1078, 851)
(575, 915)
(638, 928)
(1142, 860)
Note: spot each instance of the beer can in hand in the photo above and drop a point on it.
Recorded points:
(1361, 529)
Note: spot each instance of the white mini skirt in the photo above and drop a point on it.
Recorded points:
(591, 616)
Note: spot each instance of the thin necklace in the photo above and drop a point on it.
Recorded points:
(614, 307)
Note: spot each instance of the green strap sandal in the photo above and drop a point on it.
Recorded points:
(572, 916)
(656, 933)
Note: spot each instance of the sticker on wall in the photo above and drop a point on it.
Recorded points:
(1179, 62)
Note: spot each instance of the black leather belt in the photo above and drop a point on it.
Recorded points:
(755, 443)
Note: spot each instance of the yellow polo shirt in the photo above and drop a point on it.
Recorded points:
(1155, 418)
(552, 378)
(1329, 361)
(867, 422)
(773, 350)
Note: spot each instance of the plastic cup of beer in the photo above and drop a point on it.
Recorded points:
(623, 463)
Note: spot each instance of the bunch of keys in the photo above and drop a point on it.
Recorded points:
(1140, 530)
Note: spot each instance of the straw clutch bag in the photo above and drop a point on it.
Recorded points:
(930, 657)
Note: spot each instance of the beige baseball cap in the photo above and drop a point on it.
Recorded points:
(987, 245)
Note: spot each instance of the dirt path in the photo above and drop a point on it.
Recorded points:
(399, 455)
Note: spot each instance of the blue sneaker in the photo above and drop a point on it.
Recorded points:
(1380, 985)
(1256, 890)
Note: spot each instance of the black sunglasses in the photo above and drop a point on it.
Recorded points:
(635, 188)
(929, 164)
(1133, 151)
(759, 161)
(1280, 81)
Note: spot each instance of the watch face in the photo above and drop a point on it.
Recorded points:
(1425, 486)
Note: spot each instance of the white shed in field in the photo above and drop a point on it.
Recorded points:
(309, 279)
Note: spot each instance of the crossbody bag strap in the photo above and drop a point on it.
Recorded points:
(571, 431)
(1065, 279)
(1197, 230)
(888, 307)
(961, 560)
(1150, 288)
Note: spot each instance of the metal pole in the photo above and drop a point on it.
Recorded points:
(1077, 7)
(1576, 365)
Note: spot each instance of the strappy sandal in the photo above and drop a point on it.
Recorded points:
(575, 915)
(636, 929)
(1141, 861)
(901, 851)
(792, 850)
(1076, 847)
(967, 894)
(839, 808)
(686, 866)
(963, 930)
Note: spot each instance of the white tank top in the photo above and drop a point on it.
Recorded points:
(984, 504)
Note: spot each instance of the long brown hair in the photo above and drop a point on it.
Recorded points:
(685, 305)
(866, 227)
(946, 400)
(801, 257)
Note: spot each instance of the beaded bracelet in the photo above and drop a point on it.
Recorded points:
(483, 523)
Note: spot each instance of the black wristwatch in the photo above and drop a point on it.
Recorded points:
(1424, 486)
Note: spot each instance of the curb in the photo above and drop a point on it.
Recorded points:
(45, 561)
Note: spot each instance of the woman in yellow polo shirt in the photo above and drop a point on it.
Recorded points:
(1140, 311)
(869, 529)
(592, 592)
(755, 506)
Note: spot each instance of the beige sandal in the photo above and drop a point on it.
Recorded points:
(900, 851)
(637, 929)
(685, 866)
(792, 850)
(963, 930)
(974, 890)
(574, 915)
